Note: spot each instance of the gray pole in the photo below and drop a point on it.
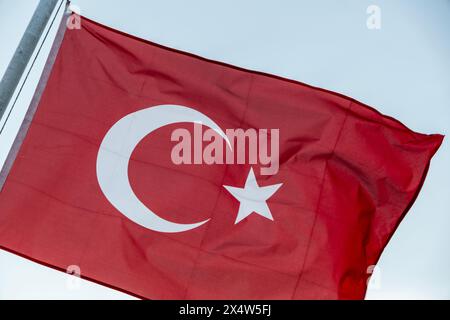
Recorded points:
(24, 52)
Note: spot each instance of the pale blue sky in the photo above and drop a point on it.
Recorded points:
(401, 69)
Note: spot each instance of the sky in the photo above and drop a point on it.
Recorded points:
(401, 69)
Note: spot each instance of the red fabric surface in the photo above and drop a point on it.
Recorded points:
(349, 176)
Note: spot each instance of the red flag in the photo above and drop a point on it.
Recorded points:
(103, 181)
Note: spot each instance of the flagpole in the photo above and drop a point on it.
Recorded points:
(24, 51)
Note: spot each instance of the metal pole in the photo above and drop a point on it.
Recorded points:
(24, 51)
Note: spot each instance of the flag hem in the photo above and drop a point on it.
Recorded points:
(54, 267)
(405, 211)
(255, 72)
(31, 110)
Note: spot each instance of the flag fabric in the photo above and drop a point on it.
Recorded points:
(94, 183)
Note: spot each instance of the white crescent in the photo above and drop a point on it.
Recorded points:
(114, 156)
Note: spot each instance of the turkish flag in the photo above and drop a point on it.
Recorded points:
(95, 185)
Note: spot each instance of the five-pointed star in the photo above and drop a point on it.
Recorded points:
(253, 198)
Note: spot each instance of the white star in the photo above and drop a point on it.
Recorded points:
(253, 198)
